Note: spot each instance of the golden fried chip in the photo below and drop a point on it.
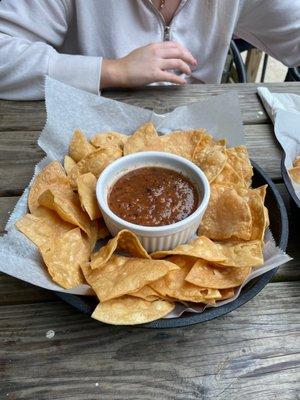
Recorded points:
(295, 174)
(258, 213)
(125, 240)
(182, 261)
(226, 293)
(73, 176)
(241, 254)
(146, 138)
(146, 293)
(68, 208)
(296, 162)
(124, 275)
(175, 286)
(141, 140)
(109, 139)
(79, 146)
(210, 276)
(64, 256)
(69, 163)
(229, 177)
(181, 143)
(210, 157)
(86, 185)
(42, 231)
(201, 247)
(227, 215)
(103, 232)
(238, 158)
(129, 310)
(51, 177)
(97, 161)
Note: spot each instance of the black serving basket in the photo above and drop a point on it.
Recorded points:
(288, 183)
(279, 228)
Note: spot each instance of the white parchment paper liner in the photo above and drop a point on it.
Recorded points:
(69, 108)
(284, 110)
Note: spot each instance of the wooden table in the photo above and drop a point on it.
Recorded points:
(51, 351)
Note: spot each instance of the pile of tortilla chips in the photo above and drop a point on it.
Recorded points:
(132, 286)
(295, 171)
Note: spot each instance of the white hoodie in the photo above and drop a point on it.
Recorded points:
(66, 39)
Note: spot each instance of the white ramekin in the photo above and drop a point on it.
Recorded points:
(158, 237)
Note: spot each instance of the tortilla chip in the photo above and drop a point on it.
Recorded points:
(73, 176)
(64, 256)
(227, 215)
(69, 163)
(295, 174)
(181, 143)
(229, 177)
(210, 276)
(241, 254)
(146, 138)
(86, 185)
(42, 231)
(126, 241)
(201, 247)
(226, 293)
(97, 161)
(129, 310)
(210, 157)
(141, 140)
(296, 162)
(103, 232)
(109, 139)
(173, 285)
(239, 160)
(182, 261)
(146, 293)
(79, 146)
(51, 177)
(68, 208)
(124, 275)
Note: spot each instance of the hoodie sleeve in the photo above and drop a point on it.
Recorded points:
(30, 30)
(272, 26)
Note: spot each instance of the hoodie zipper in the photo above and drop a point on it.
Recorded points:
(166, 28)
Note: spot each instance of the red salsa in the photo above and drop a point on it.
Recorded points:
(153, 196)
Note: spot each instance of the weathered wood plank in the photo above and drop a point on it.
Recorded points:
(252, 352)
(31, 115)
(20, 152)
(14, 291)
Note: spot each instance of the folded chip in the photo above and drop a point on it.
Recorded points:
(86, 186)
(173, 285)
(125, 241)
(124, 275)
(52, 176)
(68, 207)
(128, 310)
(109, 139)
(79, 146)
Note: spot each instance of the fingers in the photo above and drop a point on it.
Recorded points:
(177, 64)
(165, 76)
(176, 50)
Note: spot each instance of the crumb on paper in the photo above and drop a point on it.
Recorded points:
(50, 334)
(97, 384)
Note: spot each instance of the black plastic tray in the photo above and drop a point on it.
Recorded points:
(279, 228)
(287, 182)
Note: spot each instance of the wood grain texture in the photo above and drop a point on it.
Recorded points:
(31, 115)
(252, 352)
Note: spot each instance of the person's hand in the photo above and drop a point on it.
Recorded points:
(148, 64)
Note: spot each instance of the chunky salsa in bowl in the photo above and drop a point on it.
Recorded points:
(159, 196)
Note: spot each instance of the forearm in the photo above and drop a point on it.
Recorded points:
(24, 64)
